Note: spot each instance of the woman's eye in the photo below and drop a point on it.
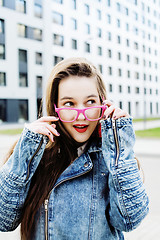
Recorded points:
(68, 104)
(91, 102)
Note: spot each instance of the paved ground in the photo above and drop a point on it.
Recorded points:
(148, 152)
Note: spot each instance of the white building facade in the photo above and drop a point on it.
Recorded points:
(122, 38)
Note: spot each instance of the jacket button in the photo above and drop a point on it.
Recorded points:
(86, 165)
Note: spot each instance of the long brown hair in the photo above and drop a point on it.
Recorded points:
(54, 161)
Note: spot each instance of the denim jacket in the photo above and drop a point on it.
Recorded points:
(100, 195)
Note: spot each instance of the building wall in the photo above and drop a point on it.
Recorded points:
(129, 59)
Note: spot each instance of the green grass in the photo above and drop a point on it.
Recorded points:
(147, 119)
(11, 131)
(149, 133)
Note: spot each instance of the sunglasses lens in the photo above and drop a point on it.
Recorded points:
(93, 113)
(67, 115)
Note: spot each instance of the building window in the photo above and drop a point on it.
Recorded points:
(118, 23)
(157, 107)
(127, 42)
(120, 88)
(118, 39)
(99, 51)
(136, 75)
(110, 88)
(109, 36)
(119, 56)
(2, 79)
(57, 59)
(21, 6)
(144, 62)
(74, 23)
(1, 26)
(150, 77)
(2, 51)
(22, 30)
(3, 107)
(58, 40)
(118, 7)
(23, 80)
(22, 56)
(127, 27)
(128, 74)
(136, 60)
(108, 19)
(58, 1)
(151, 108)
(87, 28)
(86, 9)
(38, 10)
(120, 104)
(120, 72)
(136, 45)
(129, 89)
(127, 11)
(37, 34)
(58, 18)
(109, 70)
(137, 90)
(99, 15)
(128, 58)
(108, 3)
(99, 32)
(87, 47)
(39, 86)
(74, 44)
(23, 110)
(109, 53)
(129, 108)
(23, 77)
(150, 91)
(74, 4)
(38, 58)
(100, 68)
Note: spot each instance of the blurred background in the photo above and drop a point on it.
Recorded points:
(122, 38)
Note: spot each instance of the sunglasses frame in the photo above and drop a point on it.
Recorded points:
(103, 107)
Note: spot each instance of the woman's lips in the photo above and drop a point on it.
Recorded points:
(81, 128)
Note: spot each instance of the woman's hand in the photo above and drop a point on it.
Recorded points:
(42, 126)
(113, 111)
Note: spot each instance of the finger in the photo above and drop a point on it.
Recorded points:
(109, 111)
(108, 103)
(48, 119)
(116, 112)
(43, 130)
(120, 113)
(52, 130)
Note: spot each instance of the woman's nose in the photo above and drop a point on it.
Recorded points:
(81, 116)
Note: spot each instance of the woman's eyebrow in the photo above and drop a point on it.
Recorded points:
(66, 97)
(92, 95)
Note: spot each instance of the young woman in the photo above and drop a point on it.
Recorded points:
(73, 173)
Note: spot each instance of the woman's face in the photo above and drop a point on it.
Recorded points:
(79, 92)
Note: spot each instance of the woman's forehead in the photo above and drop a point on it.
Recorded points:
(75, 85)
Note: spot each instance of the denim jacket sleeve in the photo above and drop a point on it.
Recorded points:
(128, 199)
(15, 177)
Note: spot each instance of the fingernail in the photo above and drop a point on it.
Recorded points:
(58, 134)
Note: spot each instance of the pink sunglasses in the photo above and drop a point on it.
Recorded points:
(67, 114)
